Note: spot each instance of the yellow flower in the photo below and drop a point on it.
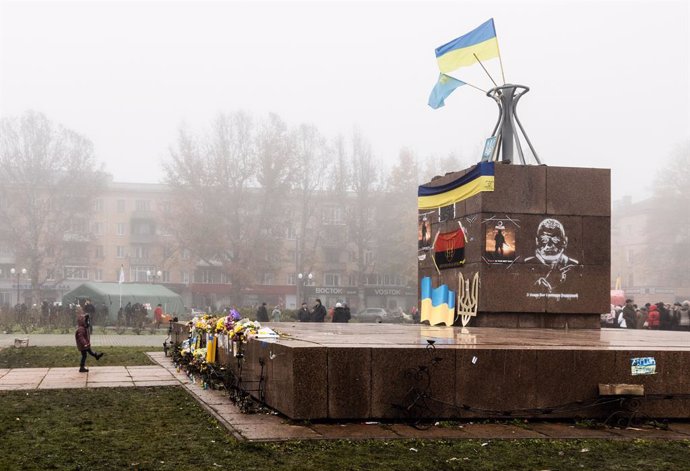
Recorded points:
(220, 325)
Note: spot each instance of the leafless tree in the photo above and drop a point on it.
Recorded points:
(396, 239)
(364, 185)
(668, 227)
(213, 182)
(312, 162)
(47, 186)
(434, 166)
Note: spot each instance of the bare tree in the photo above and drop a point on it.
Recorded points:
(668, 227)
(213, 186)
(275, 169)
(435, 166)
(312, 161)
(47, 185)
(364, 186)
(396, 240)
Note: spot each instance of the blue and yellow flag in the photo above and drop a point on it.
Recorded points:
(438, 304)
(460, 52)
(480, 178)
(444, 87)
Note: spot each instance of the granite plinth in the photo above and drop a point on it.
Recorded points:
(386, 371)
(540, 243)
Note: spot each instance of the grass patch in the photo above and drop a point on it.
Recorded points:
(164, 428)
(54, 357)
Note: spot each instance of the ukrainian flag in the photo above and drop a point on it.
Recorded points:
(480, 178)
(460, 52)
(438, 304)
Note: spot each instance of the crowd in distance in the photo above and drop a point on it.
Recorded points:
(659, 316)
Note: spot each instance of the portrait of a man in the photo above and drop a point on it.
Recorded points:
(551, 243)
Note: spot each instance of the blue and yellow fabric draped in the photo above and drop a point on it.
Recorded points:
(480, 178)
(438, 304)
(460, 52)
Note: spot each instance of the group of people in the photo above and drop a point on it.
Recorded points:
(132, 315)
(339, 313)
(659, 316)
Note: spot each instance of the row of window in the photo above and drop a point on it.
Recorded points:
(149, 273)
(138, 251)
(143, 228)
(139, 205)
(331, 215)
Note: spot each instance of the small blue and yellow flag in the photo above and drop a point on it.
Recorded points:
(438, 304)
(461, 52)
(444, 87)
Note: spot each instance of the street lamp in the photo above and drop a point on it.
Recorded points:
(303, 280)
(150, 275)
(14, 271)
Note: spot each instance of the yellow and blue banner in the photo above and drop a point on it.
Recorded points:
(444, 87)
(480, 178)
(438, 304)
(460, 52)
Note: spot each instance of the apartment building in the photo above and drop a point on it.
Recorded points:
(127, 232)
(636, 264)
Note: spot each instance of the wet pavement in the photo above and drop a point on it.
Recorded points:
(403, 335)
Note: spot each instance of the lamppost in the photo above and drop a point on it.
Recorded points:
(303, 279)
(150, 275)
(19, 273)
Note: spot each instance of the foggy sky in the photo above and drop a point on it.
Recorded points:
(609, 80)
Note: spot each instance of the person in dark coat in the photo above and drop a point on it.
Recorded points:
(341, 313)
(262, 313)
(303, 314)
(318, 314)
(83, 339)
(90, 313)
(629, 314)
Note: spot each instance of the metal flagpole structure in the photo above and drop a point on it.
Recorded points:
(506, 98)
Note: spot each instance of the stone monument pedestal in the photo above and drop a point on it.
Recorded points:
(540, 243)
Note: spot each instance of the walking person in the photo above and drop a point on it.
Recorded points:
(83, 339)
(262, 313)
(275, 314)
(158, 315)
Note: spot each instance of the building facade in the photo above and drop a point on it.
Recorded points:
(129, 233)
(637, 247)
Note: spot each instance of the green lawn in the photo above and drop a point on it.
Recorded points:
(52, 357)
(164, 428)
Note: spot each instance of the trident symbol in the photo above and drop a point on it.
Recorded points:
(468, 297)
